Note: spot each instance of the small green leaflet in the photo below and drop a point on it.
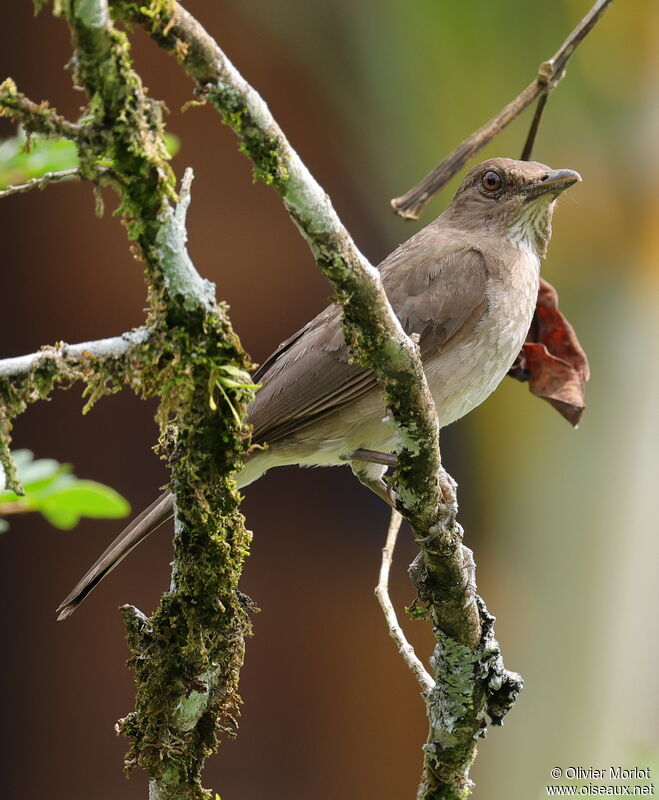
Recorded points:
(18, 163)
(52, 490)
(218, 379)
(21, 161)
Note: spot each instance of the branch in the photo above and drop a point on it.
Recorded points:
(550, 73)
(34, 117)
(371, 329)
(64, 356)
(101, 364)
(42, 181)
(406, 650)
(187, 655)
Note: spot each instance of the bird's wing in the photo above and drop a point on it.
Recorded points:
(435, 291)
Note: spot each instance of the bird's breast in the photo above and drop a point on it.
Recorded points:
(466, 372)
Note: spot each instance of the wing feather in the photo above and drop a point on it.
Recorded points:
(437, 290)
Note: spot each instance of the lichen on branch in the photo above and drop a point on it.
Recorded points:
(188, 654)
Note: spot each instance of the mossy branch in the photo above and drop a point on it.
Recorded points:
(372, 330)
(188, 654)
(35, 117)
(377, 341)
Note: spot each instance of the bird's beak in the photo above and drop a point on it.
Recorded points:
(555, 182)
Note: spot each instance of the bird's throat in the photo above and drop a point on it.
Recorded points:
(531, 230)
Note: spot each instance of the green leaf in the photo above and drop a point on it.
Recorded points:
(230, 369)
(37, 477)
(52, 490)
(242, 378)
(36, 491)
(20, 162)
(172, 143)
(39, 471)
(82, 498)
(4, 525)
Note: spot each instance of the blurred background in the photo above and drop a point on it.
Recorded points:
(563, 523)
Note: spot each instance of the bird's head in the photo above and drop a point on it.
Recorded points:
(515, 199)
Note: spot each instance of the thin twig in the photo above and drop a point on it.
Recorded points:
(535, 125)
(406, 650)
(42, 181)
(15, 507)
(550, 73)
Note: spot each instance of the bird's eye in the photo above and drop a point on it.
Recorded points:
(491, 181)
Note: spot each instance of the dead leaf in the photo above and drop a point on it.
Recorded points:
(552, 360)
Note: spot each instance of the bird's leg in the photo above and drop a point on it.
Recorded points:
(373, 457)
(362, 462)
(370, 474)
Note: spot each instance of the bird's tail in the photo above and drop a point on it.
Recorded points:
(145, 523)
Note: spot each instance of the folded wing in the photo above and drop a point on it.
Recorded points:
(435, 291)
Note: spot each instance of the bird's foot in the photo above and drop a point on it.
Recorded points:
(447, 487)
(370, 465)
(370, 474)
(469, 570)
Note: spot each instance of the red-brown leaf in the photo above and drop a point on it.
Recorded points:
(552, 360)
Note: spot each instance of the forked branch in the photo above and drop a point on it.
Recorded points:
(550, 73)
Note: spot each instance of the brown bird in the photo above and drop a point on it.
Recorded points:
(466, 285)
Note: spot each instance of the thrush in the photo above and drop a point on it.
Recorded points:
(465, 285)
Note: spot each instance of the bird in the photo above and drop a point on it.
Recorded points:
(465, 286)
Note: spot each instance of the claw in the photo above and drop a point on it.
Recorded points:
(469, 567)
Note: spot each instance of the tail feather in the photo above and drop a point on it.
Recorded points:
(145, 523)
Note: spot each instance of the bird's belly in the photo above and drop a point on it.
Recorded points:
(464, 375)
(460, 378)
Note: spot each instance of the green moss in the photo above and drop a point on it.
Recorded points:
(16, 395)
(33, 117)
(158, 12)
(192, 645)
(187, 655)
(265, 151)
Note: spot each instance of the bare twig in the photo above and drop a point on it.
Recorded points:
(42, 181)
(550, 73)
(535, 125)
(406, 650)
